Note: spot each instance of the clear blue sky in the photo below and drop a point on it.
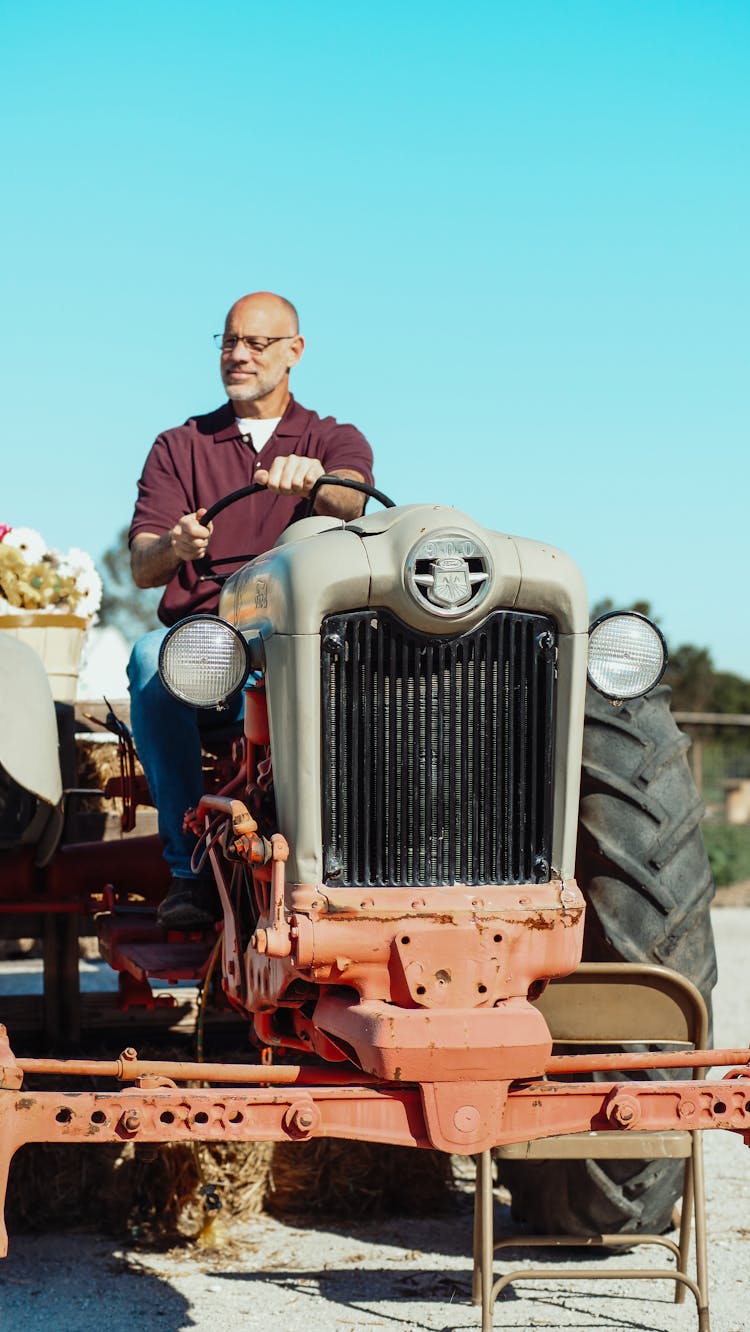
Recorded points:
(517, 234)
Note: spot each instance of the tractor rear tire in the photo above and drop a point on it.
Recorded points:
(643, 869)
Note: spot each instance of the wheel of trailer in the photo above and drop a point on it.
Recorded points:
(643, 869)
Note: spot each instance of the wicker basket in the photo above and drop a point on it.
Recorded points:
(58, 640)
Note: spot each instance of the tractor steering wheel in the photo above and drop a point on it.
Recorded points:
(206, 567)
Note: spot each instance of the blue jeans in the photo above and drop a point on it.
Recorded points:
(167, 740)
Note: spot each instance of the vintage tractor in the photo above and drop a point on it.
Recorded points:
(395, 854)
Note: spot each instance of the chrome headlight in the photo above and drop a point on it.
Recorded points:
(203, 660)
(627, 655)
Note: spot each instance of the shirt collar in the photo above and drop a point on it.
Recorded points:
(291, 425)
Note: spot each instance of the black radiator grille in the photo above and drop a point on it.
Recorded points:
(437, 752)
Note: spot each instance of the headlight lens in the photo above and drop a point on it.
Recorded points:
(627, 655)
(203, 660)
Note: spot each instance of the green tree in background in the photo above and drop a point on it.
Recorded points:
(606, 605)
(691, 675)
(128, 608)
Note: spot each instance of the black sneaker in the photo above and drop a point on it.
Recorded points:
(190, 904)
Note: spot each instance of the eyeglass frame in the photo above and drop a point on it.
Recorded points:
(247, 339)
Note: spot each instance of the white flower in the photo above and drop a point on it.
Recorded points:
(90, 585)
(31, 544)
(47, 579)
(78, 564)
(76, 561)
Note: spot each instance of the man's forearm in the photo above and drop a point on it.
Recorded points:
(338, 501)
(153, 559)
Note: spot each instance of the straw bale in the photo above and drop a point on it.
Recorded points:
(154, 1193)
(332, 1177)
(149, 1193)
(96, 762)
(19, 950)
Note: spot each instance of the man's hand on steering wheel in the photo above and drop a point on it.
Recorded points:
(297, 475)
(189, 538)
(293, 475)
(288, 476)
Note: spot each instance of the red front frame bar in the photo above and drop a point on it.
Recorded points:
(284, 1102)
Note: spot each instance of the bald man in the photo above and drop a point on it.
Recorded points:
(260, 434)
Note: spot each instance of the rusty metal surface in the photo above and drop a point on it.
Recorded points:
(306, 1278)
(461, 1118)
(519, 1111)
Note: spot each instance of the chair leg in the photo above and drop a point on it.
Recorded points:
(686, 1221)
(483, 1240)
(701, 1241)
(476, 1275)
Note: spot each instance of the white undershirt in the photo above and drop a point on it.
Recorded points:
(257, 431)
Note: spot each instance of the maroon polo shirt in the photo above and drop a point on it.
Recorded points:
(197, 463)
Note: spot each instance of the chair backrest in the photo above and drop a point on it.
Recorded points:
(606, 1004)
(621, 1003)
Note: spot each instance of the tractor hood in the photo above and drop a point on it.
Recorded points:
(433, 566)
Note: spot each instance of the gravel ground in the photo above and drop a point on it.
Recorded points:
(403, 1274)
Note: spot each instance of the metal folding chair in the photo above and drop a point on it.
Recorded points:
(618, 1005)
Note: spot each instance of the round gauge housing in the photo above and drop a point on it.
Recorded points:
(448, 573)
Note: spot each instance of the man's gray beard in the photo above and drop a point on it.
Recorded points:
(243, 392)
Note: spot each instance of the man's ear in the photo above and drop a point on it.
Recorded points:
(294, 350)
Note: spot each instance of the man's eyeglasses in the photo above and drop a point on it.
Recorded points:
(227, 342)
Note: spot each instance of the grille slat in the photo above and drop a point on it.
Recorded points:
(437, 751)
